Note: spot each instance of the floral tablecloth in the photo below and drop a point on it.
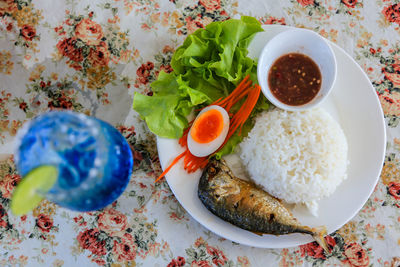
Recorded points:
(91, 56)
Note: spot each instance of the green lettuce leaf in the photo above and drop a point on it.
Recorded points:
(209, 65)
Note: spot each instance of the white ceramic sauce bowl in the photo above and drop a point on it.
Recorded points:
(305, 42)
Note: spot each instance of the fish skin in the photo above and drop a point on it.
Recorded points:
(243, 204)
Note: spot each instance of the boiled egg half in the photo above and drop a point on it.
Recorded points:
(208, 131)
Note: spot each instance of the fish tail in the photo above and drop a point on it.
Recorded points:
(318, 235)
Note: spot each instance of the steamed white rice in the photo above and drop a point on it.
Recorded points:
(299, 157)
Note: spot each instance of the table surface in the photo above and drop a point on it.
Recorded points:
(91, 56)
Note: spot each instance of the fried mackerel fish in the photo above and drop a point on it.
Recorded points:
(243, 204)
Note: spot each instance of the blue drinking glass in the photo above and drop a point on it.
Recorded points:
(93, 159)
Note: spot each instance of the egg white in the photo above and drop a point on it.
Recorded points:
(205, 149)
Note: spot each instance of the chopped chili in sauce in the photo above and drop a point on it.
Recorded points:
(294, 79)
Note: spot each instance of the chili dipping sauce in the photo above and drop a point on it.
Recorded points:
(294, 79)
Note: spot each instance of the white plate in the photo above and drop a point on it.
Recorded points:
(355, 105)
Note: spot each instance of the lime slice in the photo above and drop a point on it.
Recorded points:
(32, 188)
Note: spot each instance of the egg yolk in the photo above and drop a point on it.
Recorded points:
(207, 126)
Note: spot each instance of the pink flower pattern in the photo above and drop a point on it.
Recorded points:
(93, 57)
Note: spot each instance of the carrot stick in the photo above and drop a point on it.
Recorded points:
(235, 95)
(243, 84)
(183, 140)
(192, 163)
(243, 113)
(170, 166)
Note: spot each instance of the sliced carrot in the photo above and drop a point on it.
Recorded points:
(243, 113)
(183, 140)
(192, 163)
(234, 96)
(170, 166)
